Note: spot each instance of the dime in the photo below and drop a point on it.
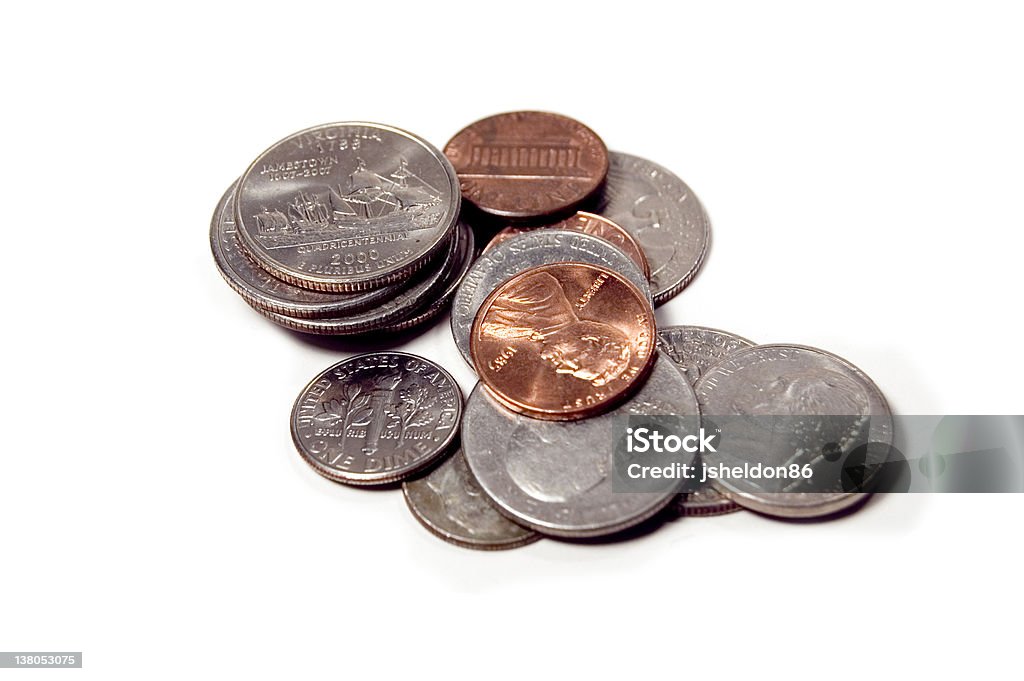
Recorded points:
(527, 163)
(663, 214)
(563, 341)
(594, 225)
(451, 284)
(266, 292)
(785, 382)
(448, 502)
(391, 311)
(694, 349)
(347, 206)
(556, 476)
(522, 252)
(376, 418)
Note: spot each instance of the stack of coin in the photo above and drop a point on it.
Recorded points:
(345, 228)
(356, 227)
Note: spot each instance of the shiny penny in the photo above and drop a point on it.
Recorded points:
(563, 341)
(522, 252)
(376, 418)
(450, 504)
(527, 163)
(594, 225)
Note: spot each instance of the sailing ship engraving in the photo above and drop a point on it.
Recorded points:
(371, 202)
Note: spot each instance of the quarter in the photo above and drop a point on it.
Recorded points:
(347, 206)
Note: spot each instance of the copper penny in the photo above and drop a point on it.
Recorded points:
(527, 163)
(563, 341)
(592, 224)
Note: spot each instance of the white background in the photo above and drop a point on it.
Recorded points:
(862, 168)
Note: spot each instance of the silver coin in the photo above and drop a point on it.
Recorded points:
(556, 476)
(521, 252)
(266, 292)
(391, 311)
(707, 501)
(347, 206)
(661, 213)
(376, 418)
(792, 381)
(449, 502)
(694, 349)
(450, 285)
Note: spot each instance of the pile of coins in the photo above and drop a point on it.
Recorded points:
(344, 229)
(361, 225)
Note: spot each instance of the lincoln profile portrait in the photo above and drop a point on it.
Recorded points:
(537, 309)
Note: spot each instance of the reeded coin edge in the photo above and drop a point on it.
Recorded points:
(688, 509)
(344, 326)
(662, 297)
(377, 282)
(836, 502)
(262, 300)
(432, 310)
(581, 531)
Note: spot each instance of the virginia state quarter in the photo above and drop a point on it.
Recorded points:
(347, 206)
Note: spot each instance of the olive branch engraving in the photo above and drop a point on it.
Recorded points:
(412, 409)
(351, 410)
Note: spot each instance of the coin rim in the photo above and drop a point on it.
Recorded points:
(643, 264)
(431, 311)
(455, 320)
(343, 325)
(259, 299)
(662, 297)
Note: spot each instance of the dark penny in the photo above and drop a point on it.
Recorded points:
(528, 164)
